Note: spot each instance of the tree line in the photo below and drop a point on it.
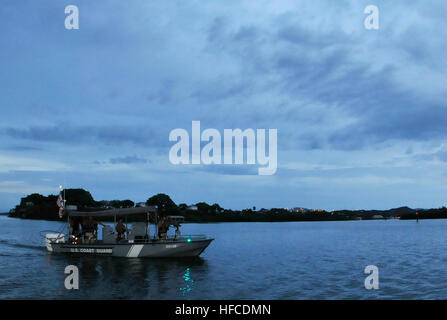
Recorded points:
(37, 206)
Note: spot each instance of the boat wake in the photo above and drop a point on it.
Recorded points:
(10, 243)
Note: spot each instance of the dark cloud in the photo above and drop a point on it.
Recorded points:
(322, 67)
(415, 125)
(216, 30)
(24, 148)
(301, 37)
(110, 135)
(140, 71)
(246, 33)
(128, 160)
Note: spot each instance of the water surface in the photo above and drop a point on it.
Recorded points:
(291, 260)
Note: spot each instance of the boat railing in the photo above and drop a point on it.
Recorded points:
(192, 237)
(55, 238)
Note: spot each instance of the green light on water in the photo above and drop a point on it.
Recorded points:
(188, 240)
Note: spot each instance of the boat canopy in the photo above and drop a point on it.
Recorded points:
(113, 212)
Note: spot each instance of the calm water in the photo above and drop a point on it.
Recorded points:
(296, 260)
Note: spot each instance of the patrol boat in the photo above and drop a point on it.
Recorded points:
(139, 243)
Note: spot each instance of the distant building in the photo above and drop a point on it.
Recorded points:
(72, 207)
(299, 210)
(29, 204)
(192, 208)
(377, 216)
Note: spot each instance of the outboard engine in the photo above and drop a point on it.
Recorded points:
(53, 238)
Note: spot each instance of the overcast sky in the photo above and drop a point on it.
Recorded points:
(361, 114)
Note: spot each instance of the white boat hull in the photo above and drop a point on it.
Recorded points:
(151, 249)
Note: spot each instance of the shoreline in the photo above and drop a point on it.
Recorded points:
(254, 221)
(39, 207)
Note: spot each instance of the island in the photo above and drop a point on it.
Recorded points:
(39, 207)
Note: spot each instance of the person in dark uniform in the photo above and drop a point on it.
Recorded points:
(121, 230)
(88, 229)
(163, 227)
(75, 226)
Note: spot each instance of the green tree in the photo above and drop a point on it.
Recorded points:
(163, 202)
(34, 198)
(79, 197)
(128, 204)
(216, 208)
(204, 207)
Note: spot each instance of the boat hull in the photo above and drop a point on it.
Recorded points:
(155, 249)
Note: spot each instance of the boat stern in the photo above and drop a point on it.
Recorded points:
(51, 238)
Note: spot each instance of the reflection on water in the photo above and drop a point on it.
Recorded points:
(121, 278)
(189, 282)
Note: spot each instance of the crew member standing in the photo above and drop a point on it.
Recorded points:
(121, 229)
